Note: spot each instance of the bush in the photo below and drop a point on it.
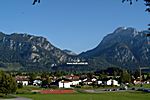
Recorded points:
(77, 86)
(20, 85)
(23, 92)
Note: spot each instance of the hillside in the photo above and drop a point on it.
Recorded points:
(125, 48)
(28, 52)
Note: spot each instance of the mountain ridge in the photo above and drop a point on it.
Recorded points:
(125, 47)
(29, 50)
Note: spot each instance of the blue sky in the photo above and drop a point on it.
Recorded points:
(77, 25)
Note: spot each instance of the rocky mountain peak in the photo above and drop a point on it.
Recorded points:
(126, 31)
(125, 47)
(29, 51)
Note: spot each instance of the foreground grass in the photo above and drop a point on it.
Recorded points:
(139, 85)
(81, 96)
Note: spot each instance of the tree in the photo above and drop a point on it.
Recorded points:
(45, 80)
(102, 76)
(35, 2)
(125, 77)
(20, 85)
(136, 74)
(7, 83)
(147, 3)
(131, 1)
(32, 77)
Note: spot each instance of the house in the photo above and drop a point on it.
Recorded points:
(148, 81)
(112, 82)
(75, 79)
(24, 80)
(87, 81)
(71, 77)
(64, 83)
(99, 82)
(37, 82)
(75, 82)
(137, 81)
(93, 79)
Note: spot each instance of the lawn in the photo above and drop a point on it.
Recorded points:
(139, 85)
(84, 96)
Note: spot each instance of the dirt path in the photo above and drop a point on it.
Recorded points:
(18, 98)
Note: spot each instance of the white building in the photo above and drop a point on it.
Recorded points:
(64, 84)
(116, 83)
(24, 82)
(22, 79)
(93, 79)
(109, 82)
(75, 82)
(37, 82)
(99, 82)
(112, 82)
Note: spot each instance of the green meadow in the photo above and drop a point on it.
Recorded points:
(87, 96)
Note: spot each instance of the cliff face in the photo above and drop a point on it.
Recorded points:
(29, 52)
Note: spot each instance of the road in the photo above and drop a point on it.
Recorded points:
(18, 98)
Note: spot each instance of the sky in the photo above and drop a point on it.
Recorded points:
(77, 25)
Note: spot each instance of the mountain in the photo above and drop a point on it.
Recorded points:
(29, 52)
(125, 48)
(69, 52)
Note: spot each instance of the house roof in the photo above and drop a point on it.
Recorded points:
(72, 77)
(64, 80)
(22, 78)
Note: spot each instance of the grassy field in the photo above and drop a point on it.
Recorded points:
(144, 85)
(82, 96)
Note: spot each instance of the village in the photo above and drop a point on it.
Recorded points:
(95, 80)
(68, 81)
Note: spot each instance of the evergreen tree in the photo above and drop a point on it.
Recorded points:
(147, 3)
(125, 77)
(7, 83)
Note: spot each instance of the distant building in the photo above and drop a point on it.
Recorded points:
(22, 79)
(37, 82)
(75, 79)
(99, 82)
(65, 83)
(75, 82)
(112, 82)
